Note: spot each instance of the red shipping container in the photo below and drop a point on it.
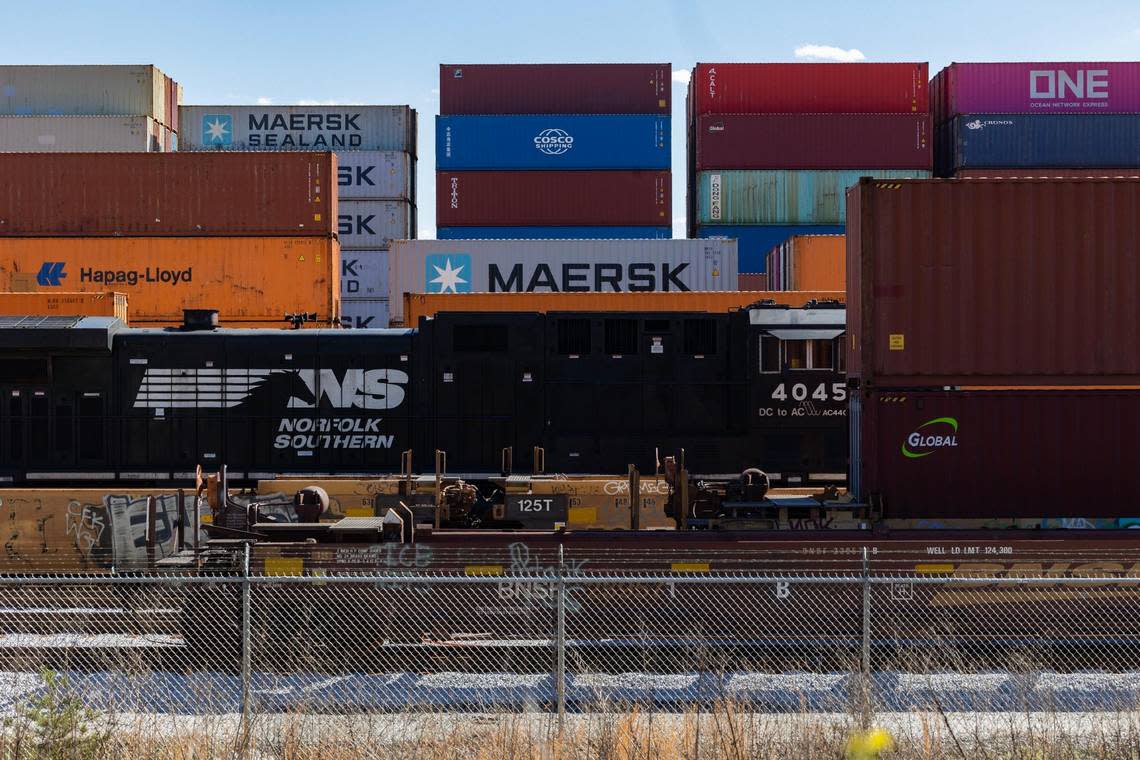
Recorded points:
(721, 88)
(814, 141)
(611, 88)
(577, 198)
(998, 454)
(174, 194)
(1043, 173)
(993, 282)
(753, 281)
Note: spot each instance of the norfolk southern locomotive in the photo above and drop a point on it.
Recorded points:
(88, 399)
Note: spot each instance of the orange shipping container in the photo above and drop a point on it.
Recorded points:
(809, 262)
(247, 279)
(418, 305)
(64, 305)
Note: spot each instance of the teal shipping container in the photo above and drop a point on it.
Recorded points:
(777, 196)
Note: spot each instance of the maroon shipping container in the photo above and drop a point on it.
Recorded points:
(577, 198)
(176, 194)
(1043, 173)
(721, 88)
(814, 141)
(993, 282)
(997, 454)
(753, 281)
(611, 88)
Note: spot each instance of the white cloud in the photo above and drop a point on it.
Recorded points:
(264, 101)
(681, 76)
(830, 53)
(307, 102)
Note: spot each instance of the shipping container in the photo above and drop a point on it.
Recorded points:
(364, 313)
(984, 282)
(1040, 140)
(556, 141)
(107, 304)
(529, 198)
(606, 88)
(782, 197)
(43, 134)
(298, 128)
(1035, 87)
(753, 281)
(420, 305)
(176, 194)
(734, 88)
(977, 454)
(140, 90)
(553, 233)
(375, 175)
(482, 266)
(369, 225)
(1051, 173)
(814, 141)
(755, 240)
(809, 262)
(364, 274)
(251, 279)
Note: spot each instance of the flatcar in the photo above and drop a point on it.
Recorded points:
(89, 400)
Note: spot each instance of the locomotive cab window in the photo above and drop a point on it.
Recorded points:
(797, 354)
(770, 354)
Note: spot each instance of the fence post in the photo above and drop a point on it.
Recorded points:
(866, 654)
(246, 653)
(560, 642)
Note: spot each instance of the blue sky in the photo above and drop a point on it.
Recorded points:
(388, 53)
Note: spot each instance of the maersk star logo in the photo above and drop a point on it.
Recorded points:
(217, 129)
(448, 273)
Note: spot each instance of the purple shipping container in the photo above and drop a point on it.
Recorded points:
(1090, 87)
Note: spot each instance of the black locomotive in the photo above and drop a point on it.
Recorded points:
(90, 400)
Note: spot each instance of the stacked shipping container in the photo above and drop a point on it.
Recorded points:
(88, 108)
(553, 151)
(773, 147)
(808, 262)
(376, 160)
(1037, 118)
(993, 343)
(251, 235)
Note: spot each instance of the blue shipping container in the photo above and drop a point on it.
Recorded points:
(554, 233)
(551, 142)
(755, 240)
(1059, 141)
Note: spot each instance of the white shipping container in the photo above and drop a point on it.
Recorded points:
(363, 313)
(364, 274)
(37, 134)
(83, 91)
(374, 175)
(297, 128)
(371, 225)
(539, 266)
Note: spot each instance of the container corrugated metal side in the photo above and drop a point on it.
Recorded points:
(531, 198)
(375, 175)
(370, 225)
(1037, 87)
(984, 282)
(809, 88)
(138, 90)
(364, 313)
(809, 262)
(247, 279)
(482, 266)
(814, 141)
(107, 304)
(782, 197)
(756, 240)
(41, 134)
(752, 281)
(555, 141)
(1042, 140)
(174, 194)
(418, 305)
(974, 454)
(297, 128)
(555, 88)
(1050, 173)
(364, 274)
(553, 233)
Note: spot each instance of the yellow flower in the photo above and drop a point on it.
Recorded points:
(867, 745)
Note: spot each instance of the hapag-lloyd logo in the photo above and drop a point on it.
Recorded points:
(553, 142)
(921, 444)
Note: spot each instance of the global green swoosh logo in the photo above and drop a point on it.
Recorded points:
(933, 442)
